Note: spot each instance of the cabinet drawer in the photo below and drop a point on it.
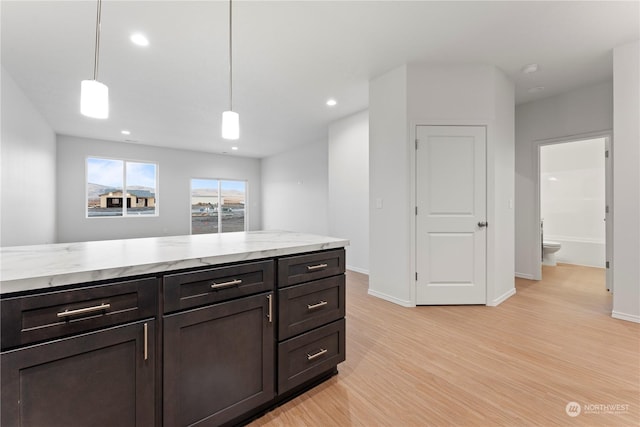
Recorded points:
(304, 268)
(192, 289)
(304, 357)
(33, 318)
(307, 306)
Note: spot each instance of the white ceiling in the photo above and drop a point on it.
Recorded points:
(289, 58)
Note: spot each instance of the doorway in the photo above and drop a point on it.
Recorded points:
(575, 203)
(451, 215)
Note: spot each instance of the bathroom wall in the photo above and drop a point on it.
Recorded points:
(572, 200)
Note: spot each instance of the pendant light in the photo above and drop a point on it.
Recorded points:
(94, 96)
(230, 119)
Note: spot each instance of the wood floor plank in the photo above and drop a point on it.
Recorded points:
(517, 364)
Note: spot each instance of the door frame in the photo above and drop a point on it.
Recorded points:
(608, 136)
(412, 160)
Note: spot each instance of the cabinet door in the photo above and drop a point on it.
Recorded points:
(218, 361)
(103, 378)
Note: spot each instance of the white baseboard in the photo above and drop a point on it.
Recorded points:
(389, 298)
(358, 269)
(562, 261)
(623, 316)
(524, 276)
(502, 298)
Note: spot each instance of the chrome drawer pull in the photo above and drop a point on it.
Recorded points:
(318, 305)
(316, 267)
(215, 285)
(146, 341)
(316, 355)
(85, 310)
(270, 310)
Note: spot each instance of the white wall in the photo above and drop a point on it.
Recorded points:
(349, 187)
(295, 190)
(572, 200)
(477, 95)
(175, 167)
(28, 159)
(626, 181)
(583, 111)
(389, 186)
(501, 190)
(436, 95)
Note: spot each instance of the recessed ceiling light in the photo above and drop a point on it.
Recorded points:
(234, 148)
(535, 89)
(125, 132)
(530, 68)
(553, 178)
(332, 102)
(139, 39)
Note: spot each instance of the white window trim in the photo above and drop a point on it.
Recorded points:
(124, 184)
(219, 180)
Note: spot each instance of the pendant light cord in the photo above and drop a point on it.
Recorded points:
(230, 58)
(97, 48)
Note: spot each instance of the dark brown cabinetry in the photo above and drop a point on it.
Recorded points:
(311, 309)
(82, 371)
(48, 315)
(203, 347)
(197, 288)
(304, 268)
(218, 359)
(309, 305)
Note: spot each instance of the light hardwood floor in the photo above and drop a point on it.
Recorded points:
(518, 364)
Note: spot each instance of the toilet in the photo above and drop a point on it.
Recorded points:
(549, 250)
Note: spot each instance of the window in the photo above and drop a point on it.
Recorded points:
(121, 188)
(217, 206)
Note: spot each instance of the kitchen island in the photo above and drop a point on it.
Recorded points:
(186, 330)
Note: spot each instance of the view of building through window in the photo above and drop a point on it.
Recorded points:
(121, 188)
(217, 206)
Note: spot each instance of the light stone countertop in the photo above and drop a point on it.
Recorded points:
(24, 268)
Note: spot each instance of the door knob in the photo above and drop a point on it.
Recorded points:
(483, 224)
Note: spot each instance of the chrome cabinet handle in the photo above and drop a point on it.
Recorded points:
(215, 285)
(270, 310)
(85, 310)
(483, 224)
(146, 341)
(316, 267)
(318, 305)
(317, 354)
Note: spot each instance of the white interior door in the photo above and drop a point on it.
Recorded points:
(451, 215)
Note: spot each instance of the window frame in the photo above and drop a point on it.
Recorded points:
(124, 161)
(219, 180)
